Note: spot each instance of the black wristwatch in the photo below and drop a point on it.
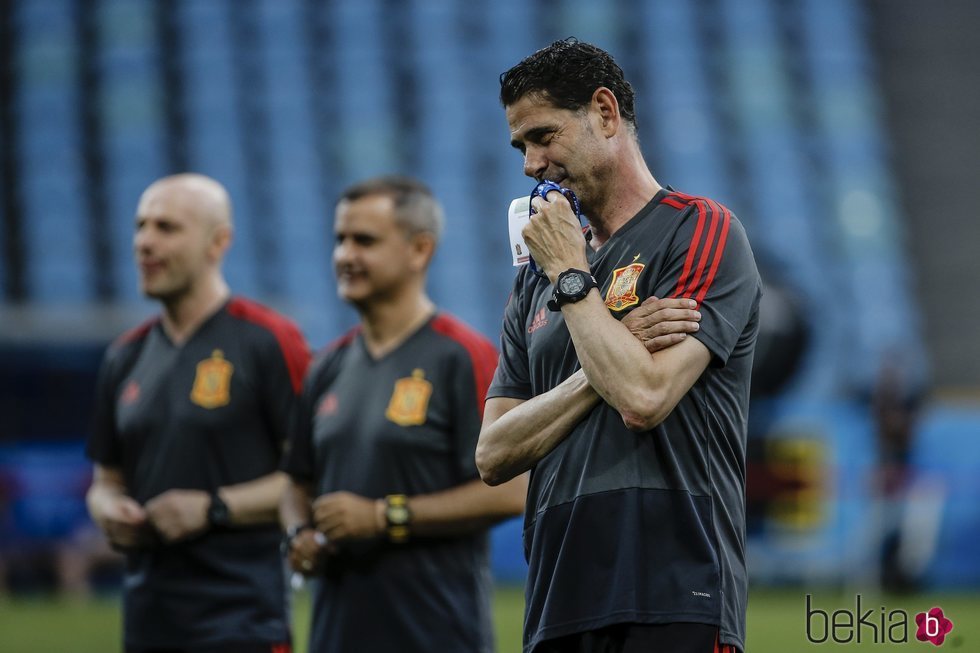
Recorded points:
(218, 513)
(398, 517)
(571, 286)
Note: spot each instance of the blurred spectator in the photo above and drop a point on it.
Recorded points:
(896, 403)
(784, 335)
(47, 542)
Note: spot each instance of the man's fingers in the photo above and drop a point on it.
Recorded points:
(664, 329)
(661, 310)
(131, 512)
(321, 501)
(670, 302)
(676, 314)
(551, 197)
(326, 512)
(330, 522)
(334, 499)
(672, 326)
(662, 342)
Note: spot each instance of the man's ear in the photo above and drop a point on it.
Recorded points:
(220, 241)
(423, 249)
(606, 106)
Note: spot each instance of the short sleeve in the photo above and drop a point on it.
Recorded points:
(299, 460)
(513, 378)
(469, 396)
(282, 380)
(103, 444)
(710, 260)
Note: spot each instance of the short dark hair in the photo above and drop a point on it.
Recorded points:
(416, 208)
(567, 73)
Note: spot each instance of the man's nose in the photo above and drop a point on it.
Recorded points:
(535, 163)
(342, 251)
(141, 240)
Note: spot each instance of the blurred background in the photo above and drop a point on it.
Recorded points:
(843, 133)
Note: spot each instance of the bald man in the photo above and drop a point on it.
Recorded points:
(192, 410)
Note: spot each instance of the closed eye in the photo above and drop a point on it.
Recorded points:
(363, 240)
(537, 136)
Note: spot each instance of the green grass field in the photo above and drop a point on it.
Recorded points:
(776, 622)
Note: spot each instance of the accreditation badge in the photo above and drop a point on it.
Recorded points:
(622, 288)
(410, 400)
(212, 384)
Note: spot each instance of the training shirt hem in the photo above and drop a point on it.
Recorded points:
(129, 643)
(728, 638)
(510, 392)
(625, 616)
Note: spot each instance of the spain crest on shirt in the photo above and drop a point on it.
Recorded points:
(410, 400)
(622, 288)
(212, 384)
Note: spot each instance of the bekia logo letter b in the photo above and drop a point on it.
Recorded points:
(933, 626)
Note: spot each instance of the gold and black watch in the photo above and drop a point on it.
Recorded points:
(398, 517)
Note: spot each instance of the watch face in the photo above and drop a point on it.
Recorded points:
(572, 284)
(397, 515)
(218, 513)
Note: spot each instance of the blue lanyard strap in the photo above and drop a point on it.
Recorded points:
(541, 190)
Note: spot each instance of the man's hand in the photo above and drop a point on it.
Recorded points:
(554, 236)
(345, 516)
(179, 514)
(123, 520)
(660, 323)
(307, 552)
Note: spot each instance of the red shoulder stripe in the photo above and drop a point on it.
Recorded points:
(291, 342)
(342, 341)
(692, 251)
(136, 333)
(696, 285)
(483, 355)
(707, 208)
(719, 250)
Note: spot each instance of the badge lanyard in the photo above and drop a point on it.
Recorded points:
(541, 190)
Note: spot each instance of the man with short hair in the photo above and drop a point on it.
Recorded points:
(192, 411)
(385, 507)
(635, 520)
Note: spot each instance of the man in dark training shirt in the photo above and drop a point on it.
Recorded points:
(193, 409)
(385, 508)
(635, 521)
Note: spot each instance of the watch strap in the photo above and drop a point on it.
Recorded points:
(218, 512)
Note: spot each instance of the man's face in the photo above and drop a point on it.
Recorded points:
(171, 243)
(373, 255)
(558, 144)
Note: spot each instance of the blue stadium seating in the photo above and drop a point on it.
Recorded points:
(862, 220)
(52, 196)
(680, 131)
(768, 106)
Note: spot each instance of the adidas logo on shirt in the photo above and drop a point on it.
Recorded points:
(540, 320)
